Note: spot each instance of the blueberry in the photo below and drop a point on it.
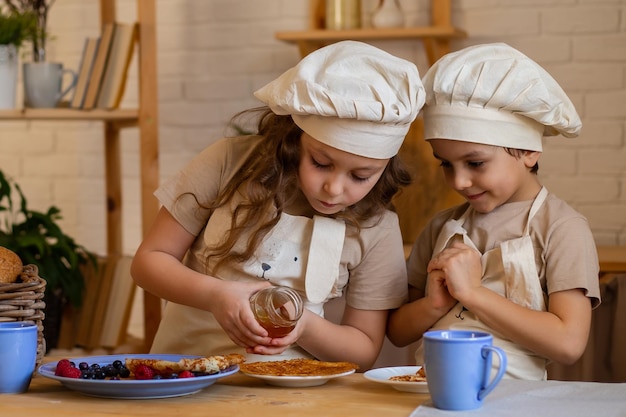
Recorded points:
(109, 370)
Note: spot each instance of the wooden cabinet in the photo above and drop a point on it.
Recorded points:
(145, 117)
(428, 194)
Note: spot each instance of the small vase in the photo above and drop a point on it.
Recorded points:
(388, 14)
(343, 14)
(8, 76)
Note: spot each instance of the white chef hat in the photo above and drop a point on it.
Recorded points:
(494, 94)
(351, 96)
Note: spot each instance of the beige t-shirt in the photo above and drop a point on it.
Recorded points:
(372, 271)
(565, 252)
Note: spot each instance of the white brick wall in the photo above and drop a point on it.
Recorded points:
(214, 53)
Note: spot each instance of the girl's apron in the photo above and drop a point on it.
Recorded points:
(510, 271)
(299, 252)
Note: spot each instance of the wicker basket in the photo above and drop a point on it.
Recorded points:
(23, 301)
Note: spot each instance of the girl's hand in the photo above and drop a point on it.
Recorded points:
(231, 308)
(461, 268)
(279, 345)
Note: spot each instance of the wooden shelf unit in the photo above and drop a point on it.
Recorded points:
(428, 194)
(145, 117)
(436, 37)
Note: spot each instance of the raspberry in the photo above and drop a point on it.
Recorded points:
(186, 374)
(62, 365)
(144, 372)
(71, 372)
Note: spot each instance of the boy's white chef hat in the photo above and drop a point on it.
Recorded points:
(495, 95)
(351, 96)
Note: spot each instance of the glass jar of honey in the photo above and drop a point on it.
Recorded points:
(277, 309)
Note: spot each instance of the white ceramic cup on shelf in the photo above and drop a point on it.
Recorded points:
(43, 83)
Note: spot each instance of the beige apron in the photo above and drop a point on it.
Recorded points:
(299, 252)
(510, 271)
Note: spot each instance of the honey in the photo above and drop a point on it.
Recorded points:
(277, 309)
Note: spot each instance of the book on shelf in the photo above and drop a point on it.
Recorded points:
(95, 79)
(119, 305)
(94, 277)
(84, 72)
(107, 304)
(120, 56)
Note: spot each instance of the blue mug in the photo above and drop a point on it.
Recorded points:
(458, 368)
(18, 353)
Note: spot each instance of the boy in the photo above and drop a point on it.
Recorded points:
(513, 260)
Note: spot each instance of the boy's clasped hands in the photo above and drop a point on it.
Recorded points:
(453, 274)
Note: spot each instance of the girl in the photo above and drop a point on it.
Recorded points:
(305, 203)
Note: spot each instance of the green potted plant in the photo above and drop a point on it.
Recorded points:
(37, 238)
(38, 32)
(15, 28)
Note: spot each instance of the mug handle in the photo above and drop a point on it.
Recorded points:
(487, 350)
(72, 84)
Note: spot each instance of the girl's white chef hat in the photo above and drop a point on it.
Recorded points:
(495, 95)
(351, 96)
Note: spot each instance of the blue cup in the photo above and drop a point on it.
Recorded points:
(458, 368)
(18, 355)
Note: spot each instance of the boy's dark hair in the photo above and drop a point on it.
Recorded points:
(517, 153)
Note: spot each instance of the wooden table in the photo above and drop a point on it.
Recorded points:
(612, 258)
(233, 396)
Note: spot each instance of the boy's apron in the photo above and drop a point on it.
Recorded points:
(299, 252)
(510, 271)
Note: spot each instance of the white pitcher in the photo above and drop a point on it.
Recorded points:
(8, 76)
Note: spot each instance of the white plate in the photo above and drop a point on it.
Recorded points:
(132, 388)
(382, 375)
(297, 381)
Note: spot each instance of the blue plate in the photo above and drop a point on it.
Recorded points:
(131, 388)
